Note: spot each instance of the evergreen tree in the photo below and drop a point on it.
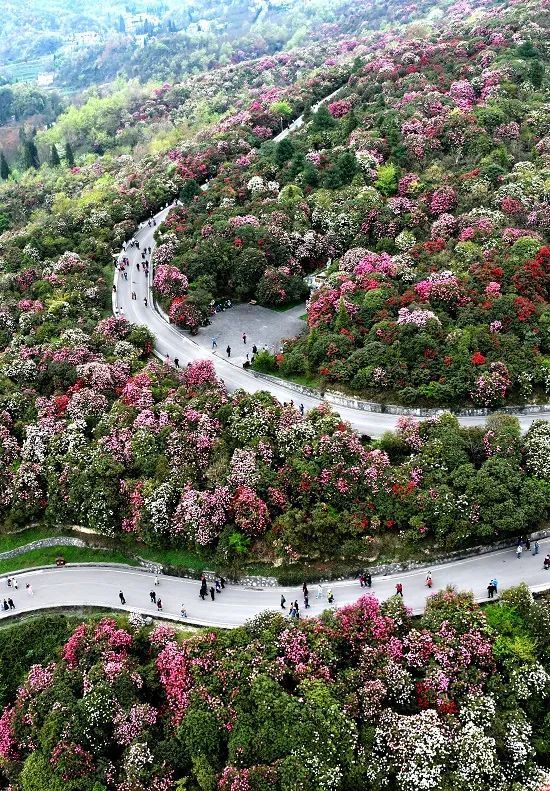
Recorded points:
(284, 151)
(346, 166)
(536, 73)
(54, 157)
(350, 122)
(189, 190)
(69, 156)
(322, 119)
(30, 155)
(4, 167)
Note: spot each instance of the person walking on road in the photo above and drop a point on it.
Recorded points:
(429, 581)
(546, 563)
(306, 601)
(519, 551)
(145, 301)
(121, 597)
(157, 581)
(218, 585)
(244, 338)
(399, 590)
(176, 362)
(283, 600)
(183, 612)
(319, 591)
(212, 593)
(228, 350)
(368, 579)
(11, 604)
(491, 590)
(204, 588)
(153, 597)
(536, 548)
(159, 604)
(330, 596)
(214, 342)
(29, 589)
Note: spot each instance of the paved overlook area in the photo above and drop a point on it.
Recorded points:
(100, 586)
(170, 340)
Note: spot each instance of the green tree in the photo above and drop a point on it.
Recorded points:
(346, 166)
(387, 179)
(54, 157)
(30, 155)
(4, 167)
(284, 151)
(281, 109)
(189, 190)
(536, 73)
(322, 119)
(69, 156)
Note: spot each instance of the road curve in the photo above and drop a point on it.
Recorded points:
(173, 342)
(169, 340)
(89, 585)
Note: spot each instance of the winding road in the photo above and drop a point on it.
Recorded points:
(96, 585)
(175, 343)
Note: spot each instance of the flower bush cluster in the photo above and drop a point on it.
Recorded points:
(362, 696)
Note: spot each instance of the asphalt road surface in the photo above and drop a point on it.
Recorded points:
(169, 340)
(100, 586)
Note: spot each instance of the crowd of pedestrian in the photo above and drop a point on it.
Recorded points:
(217, 587)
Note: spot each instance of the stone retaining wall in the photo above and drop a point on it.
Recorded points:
(341, 399)
(61, 541)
